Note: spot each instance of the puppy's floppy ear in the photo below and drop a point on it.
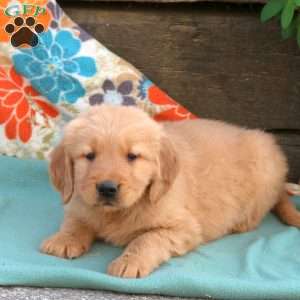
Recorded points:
(61, 172)
(167, 170)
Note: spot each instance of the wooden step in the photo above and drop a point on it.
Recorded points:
(216, 59)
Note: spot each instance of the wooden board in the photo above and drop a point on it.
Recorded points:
(216, 59)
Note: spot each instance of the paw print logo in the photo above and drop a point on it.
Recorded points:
(24, 31)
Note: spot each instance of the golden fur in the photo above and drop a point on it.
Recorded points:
(192, 182)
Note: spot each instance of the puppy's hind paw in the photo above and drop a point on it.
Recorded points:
(63, 245)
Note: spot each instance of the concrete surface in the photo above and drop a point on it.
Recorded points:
(28, 293)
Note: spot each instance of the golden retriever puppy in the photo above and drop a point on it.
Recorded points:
(161, 189)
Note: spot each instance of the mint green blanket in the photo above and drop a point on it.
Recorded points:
(263, 264)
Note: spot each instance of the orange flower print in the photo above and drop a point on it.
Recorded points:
(173, 112)
(18, 105)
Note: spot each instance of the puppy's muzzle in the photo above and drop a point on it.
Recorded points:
(107, 190)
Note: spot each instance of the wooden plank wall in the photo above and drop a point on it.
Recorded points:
(216, 59)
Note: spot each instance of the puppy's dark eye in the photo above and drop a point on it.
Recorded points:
(90, 156)
(131, 156)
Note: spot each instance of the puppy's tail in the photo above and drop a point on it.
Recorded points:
(287, 212)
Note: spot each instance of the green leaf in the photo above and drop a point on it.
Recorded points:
(271, 9)
(297, 2)
(287, 14)
(290, 31)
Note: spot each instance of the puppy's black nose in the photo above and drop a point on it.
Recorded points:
(107, 189)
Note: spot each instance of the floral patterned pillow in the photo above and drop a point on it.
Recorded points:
(50, 70)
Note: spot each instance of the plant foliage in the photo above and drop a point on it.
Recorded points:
(287, 12)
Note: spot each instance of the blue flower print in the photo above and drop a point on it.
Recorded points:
(143, 87)
(53, 66)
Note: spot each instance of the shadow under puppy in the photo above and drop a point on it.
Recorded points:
(161, 189)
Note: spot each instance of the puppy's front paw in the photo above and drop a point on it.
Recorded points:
(129, 267)
(63, 245)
